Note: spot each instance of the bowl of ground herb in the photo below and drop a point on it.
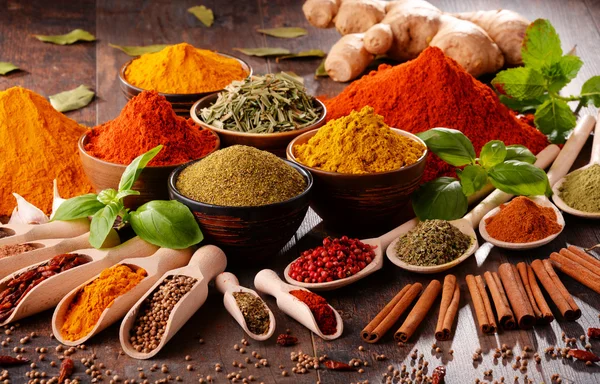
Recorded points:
(248, 202)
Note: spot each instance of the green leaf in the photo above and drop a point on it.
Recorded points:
(442, 198)
(167, 224)
(73, 99)
(127, 192)
(285, 32)
(69, 38)
(133, 170)
(555, 119)
(303, 54)
(450, 145)
(541, 45)
(562, 72)
(6, 67)
(492, 153)
(520, 83)
(205, 15)
(591, 91)
(108, 196)
(102, 223)
(261, 52)
(519, 178)
(523, 105)
(520, 153)
(78, 207)
(320, 71)
(132, 50)
(472, 179)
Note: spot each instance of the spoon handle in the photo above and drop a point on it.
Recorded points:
(267, 281)
(595, 158)
(51, 230)
(210, 260)
(226, 280)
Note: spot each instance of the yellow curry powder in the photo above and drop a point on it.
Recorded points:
(357, 144)
(183, 69)
(89, 303)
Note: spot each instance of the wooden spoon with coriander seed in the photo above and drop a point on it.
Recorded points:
(155, 266)
(268, 282)
(206, 263)
(227, 283)
(11, 234)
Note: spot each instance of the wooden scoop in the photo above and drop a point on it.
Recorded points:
(47, 249)
(27, 233)
(227, 284)
(268, 282)
(156, 265)
(206, 263)
(49, 292)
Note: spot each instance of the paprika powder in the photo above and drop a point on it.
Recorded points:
(323, 313)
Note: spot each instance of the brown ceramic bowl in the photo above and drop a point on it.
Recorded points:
(275, 143)
(152, 183)
(181, 102)
(248, 234)
(365, 204)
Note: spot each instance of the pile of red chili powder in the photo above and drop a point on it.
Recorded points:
(147, 121)
(435, 91)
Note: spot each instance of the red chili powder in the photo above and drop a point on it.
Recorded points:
(322, 312)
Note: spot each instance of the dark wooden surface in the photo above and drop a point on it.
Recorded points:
(50, 69)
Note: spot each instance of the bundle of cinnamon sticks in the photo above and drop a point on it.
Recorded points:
(579, 265)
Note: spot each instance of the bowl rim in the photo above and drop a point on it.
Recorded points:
(123, 79)
(290, 154)
(173, 189)
(227, 132)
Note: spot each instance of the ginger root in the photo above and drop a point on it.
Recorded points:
(347, 58)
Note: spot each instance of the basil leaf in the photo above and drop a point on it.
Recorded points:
(492, 153)
(263, 51)
(320, 71)
(591, 91)
(555, 119)
(541, 45)
(441, 198)
(139, 50)
(205, 15)
(73, 99)
(520, 83)
(450, 145)
(167, 224)
(6, 67)
(102, 223)
(107, 196)
(78, 207)
(519, 178)
(472, 179)
(285, 32)
(303, 54)
(523, 105)
(127, 192)
(69, 38)
(519, 152)
(133, 170)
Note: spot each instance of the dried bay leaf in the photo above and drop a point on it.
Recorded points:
(321, 72)
(205, 15)
(73, 99)
(303, 54)
(285, 32)
(69, 38)
(261, 52)
(6, 67)
(139, 50)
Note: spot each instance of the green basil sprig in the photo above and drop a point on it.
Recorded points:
(508, 167)
(168, 224)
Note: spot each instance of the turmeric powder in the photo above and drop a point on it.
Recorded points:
(39, 144)
(357, 144)
(183, 69)
(89, 303)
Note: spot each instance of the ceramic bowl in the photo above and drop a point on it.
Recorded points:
(248, 234)
(152, 183)
(275, 143)
(364, 204)
(181, 102)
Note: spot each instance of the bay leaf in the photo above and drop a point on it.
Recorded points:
(73, 99)
(303, 54)
(205, 15)
(261, 52)
(132, 50)
(285, 32)
(321, 72)
(69, 38)
(6, 67)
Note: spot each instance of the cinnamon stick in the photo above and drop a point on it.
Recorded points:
(390, 313)
(448, 308)
(576, 271)
(483, 312)
(556, 290)
(419, 311)
(516, 295)
(547, 316)
(585, 261)
(505, 314)
(583, 254)
(522, 271)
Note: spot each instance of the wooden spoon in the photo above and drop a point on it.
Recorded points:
(155, 266)
(268, 282)
(27, 233)
(49, 292)
(227, 283)
(47, 249)
(206, 263)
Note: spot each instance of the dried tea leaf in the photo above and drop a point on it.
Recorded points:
(6, 67)
(139, 50)
(261, 52)
(205, 15)
(303, 54)
(321, 72)
(73, 99)
(285, 32)
(69, 38)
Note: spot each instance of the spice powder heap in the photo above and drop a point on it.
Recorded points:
(254, 311)
(581, 190)
(240, 176)
(432, 242)
(522, 221)
(16, 249)
(323, 313)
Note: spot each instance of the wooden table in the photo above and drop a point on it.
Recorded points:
(49, 69)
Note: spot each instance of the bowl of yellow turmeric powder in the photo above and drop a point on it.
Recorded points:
(364, 172)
